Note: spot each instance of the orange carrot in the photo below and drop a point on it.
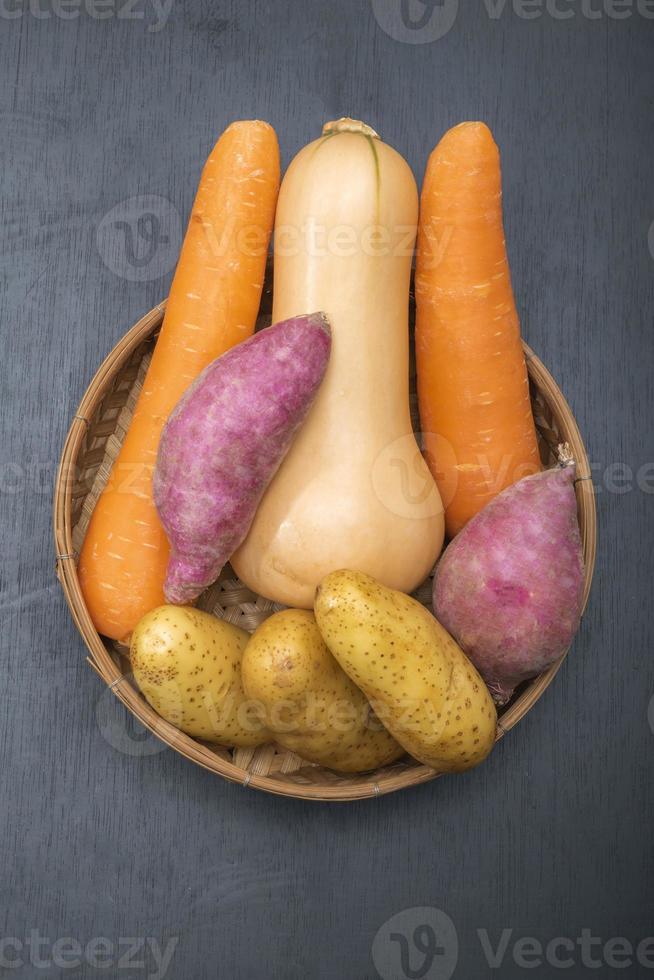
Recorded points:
(472, 379)
(213, 305)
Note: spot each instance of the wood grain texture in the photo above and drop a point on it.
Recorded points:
(553, 834)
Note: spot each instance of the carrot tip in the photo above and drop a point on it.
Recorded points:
(247, 123)
(469, 136)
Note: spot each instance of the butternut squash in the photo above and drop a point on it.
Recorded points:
(354, 490)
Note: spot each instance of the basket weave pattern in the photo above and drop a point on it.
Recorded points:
(93, 443)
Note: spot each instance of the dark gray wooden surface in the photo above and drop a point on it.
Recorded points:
(554, 834)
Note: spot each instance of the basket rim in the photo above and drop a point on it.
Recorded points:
(103, 664)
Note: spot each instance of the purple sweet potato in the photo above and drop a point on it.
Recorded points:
(225, 440)
(509, 588)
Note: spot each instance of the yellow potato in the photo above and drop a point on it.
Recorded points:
(310, 704)
(188, 666)
(422, 686)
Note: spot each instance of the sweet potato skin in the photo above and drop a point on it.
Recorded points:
(509, 588)
(224, 442)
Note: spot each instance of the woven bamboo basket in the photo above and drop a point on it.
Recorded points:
(94, 439)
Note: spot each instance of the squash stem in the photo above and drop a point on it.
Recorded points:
(347, 125)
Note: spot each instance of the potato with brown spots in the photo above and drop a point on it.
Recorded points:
(310, 704)
(422, 686)
(188, 667)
